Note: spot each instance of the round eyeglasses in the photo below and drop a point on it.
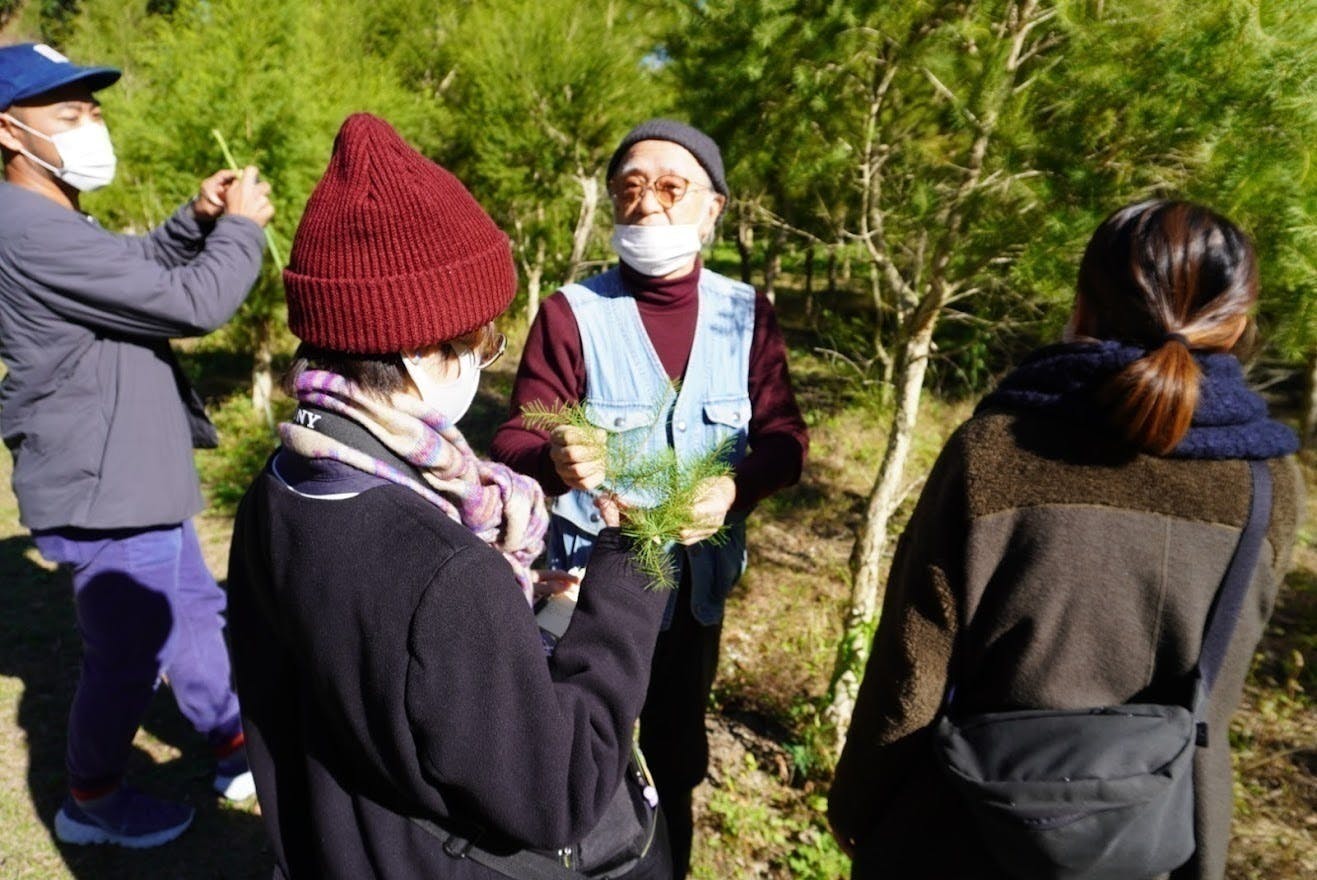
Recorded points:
(668, 189)
(487, 344)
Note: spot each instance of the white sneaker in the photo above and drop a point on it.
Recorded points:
(233, 777)
(235, 788)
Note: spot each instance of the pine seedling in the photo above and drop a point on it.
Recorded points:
(270, 242)
(670, 485)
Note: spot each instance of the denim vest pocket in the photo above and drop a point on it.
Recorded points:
(621, 418)
(729, 417)
(567, 545)
(639, 430)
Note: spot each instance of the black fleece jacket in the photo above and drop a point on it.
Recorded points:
(389, 667)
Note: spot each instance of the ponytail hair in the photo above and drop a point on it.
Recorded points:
(1151, 402)
(1172, 278)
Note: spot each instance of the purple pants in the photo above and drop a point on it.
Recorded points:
(146, 605)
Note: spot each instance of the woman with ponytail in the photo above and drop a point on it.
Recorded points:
(1072, 536)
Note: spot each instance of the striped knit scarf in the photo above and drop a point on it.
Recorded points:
(501, 507)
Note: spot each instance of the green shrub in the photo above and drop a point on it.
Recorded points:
(246, 441)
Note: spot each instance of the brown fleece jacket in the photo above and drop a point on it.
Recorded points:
(1087, 576)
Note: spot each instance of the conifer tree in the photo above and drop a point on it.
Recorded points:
(275, 79)
(975, 146)
(541, 92)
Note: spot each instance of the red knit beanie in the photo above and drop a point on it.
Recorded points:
(392, 252)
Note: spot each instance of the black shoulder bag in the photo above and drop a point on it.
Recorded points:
(1103, 793)
(618, 843)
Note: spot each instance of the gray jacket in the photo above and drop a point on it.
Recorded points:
(95, 410)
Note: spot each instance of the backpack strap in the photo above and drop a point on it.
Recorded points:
(1229, 599)
(518, 865)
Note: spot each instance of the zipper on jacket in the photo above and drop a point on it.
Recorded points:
(565, 856)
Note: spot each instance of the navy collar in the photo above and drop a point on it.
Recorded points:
(1230, 420)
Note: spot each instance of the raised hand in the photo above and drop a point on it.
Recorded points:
(247, 196)
(209, 202)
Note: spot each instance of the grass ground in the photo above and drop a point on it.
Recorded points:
(761, 808)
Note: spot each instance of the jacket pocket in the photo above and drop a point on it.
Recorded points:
(729, 422)
(632, 427)
(621, 418)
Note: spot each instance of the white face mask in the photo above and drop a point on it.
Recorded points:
(453, 398)
(86, 153)
(656, 250)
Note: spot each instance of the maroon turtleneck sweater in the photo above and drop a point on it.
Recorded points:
(553, 370)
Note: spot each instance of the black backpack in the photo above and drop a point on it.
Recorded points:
(1103, 793)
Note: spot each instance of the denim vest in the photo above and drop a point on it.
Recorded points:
(624, 383)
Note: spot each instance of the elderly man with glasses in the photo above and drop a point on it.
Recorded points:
(616, 341)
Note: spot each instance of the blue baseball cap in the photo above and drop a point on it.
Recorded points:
(31, 69)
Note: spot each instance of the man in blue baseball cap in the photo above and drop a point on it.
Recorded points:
(101, 423)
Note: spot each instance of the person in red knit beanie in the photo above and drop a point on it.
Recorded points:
(404, 716)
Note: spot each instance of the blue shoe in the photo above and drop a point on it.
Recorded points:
(126, 817)
(233, 776)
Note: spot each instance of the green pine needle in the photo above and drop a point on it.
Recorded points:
(270, 242)
(673, 484)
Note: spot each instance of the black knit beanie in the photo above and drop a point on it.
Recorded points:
(700, 145)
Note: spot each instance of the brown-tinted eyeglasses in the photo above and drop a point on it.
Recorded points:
(668, 189)
(487, 343)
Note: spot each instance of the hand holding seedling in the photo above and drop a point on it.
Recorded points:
(245, 176)
(209, 203)
(713, 498)
(578, 455)
(682, 499)
(247, 196)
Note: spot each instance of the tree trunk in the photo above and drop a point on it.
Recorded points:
(263, 370)
(914, 316)
(876, 297)
(745, 243)
(584, 224)
(534, 278)
(809, 281)
(1310, 401)
(832, 272)
(866, 558)
(773, 264)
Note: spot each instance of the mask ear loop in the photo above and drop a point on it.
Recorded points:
(27, 128)
(467, 359)
(32, 156)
